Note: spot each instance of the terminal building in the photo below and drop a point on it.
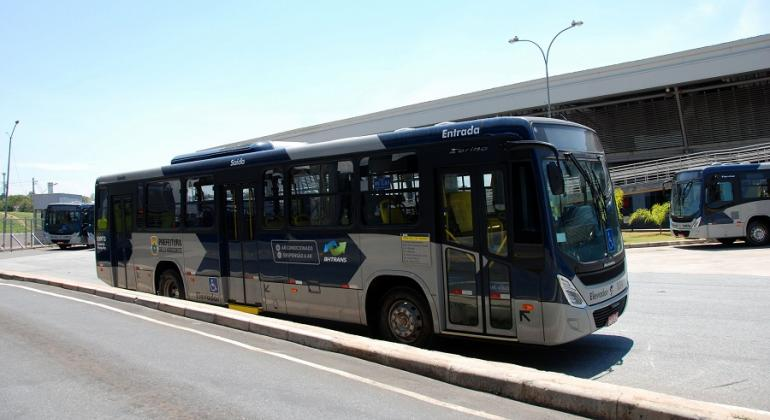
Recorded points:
(691, 102)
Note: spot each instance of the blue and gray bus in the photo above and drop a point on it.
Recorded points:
(66, 225)
(503, 228)
(723, 202)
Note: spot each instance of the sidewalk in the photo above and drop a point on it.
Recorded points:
(547, 389)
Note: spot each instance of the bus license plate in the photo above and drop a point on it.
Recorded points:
(613, 318)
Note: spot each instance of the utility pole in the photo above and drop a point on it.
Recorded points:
(33, 186)
(7, 178)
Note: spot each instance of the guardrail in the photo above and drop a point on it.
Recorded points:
(661, 170)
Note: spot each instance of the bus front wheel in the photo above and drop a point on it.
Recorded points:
(405, 318)
(171, 284)
(757, 233)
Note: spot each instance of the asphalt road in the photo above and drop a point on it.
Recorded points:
(100, 358)
(696, 324)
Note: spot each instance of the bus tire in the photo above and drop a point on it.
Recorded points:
(63, 246)
(726, 241)
(757, 233)
(405, 318)
(170, 284)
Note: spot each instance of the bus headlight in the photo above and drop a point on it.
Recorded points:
(570, 292)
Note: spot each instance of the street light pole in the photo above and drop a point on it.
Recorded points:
(7, 178)
(546, 55)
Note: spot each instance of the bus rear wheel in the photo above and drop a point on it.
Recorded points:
(171, 284)
(405, 318)
(757, 233)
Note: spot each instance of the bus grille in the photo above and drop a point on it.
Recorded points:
(601, 315)
(601, 276)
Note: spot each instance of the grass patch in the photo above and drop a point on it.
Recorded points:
(649, 236)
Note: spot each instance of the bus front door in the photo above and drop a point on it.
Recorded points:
(122, 226)
(241, 264)
(475, 221)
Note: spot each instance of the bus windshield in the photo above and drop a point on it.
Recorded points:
(685, 198)
(66, 218)
(584, 216)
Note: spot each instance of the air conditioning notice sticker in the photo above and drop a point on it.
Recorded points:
(415, 248)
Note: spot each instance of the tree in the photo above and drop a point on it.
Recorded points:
(656, 215)
(619, 203)
(659, 214)
(20, 203)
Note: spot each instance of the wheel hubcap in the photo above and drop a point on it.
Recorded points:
(759, 233)
(171, 289)
(405, 321)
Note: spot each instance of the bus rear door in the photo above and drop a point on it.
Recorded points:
(240, 266)
(122, 249)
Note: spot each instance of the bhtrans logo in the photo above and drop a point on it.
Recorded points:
(337, 251)
(456, 132)
(237, 162)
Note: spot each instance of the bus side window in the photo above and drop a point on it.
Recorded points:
(164, 204)
(390, 189)
(273, 199)
(526, 214)
(754, 185)
(200, 203)
(320, 194)
(720, 192)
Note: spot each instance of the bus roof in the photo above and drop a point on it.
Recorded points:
(727, 167)
(80, 205)
(515, 128)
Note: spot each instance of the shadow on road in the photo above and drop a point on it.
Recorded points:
(588, 357)
(585, 358)
(738, 246)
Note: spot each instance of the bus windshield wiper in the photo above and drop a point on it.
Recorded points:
(599, 197)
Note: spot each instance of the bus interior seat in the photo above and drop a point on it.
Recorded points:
(391, 212)
(459, 204)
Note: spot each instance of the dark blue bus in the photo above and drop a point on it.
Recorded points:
(503, 228)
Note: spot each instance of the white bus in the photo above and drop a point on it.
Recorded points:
(723, 202)
(503, 228)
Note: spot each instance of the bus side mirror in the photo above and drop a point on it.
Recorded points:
(555, 178)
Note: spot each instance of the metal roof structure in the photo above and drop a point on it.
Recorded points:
(631, 78)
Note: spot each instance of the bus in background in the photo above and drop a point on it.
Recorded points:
(501, 228)
(69, 224)
(723, 202)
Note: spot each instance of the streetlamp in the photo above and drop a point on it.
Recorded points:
(7, 178)
(546, 55)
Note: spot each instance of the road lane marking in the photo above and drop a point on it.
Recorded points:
(334, 371)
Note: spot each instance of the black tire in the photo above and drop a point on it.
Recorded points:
(757, 233)
(726, 241)
(63, 246)
(170, 284)
(405, 318)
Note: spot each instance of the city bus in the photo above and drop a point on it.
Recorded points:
(502, 228)
(69, 224)
(723, 202)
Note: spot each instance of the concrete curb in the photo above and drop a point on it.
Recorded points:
(667, 243)
(553, 390)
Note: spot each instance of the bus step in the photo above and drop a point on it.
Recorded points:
(254, 310)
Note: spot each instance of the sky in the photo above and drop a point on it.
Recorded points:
(102, 87)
